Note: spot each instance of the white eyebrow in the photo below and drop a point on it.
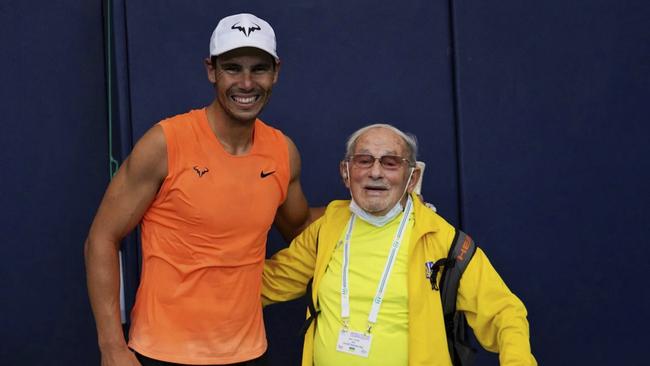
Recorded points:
(385, 152)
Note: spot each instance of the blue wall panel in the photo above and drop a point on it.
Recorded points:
(554, 106)
(54, 170)
(552, 102)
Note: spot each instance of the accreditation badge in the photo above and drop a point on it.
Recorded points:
(354, 343)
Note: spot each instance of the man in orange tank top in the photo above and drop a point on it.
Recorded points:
(206, 187)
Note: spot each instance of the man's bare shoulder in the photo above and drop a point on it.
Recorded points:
(149, 155)
(294, 158)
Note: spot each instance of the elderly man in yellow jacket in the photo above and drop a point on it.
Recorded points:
(367, 259)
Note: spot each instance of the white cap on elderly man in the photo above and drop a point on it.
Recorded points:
(242, 30)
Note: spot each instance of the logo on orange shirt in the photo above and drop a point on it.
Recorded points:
(200, 170)
(264, 175)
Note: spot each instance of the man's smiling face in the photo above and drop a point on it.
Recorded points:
(377, 189)
(244, 79)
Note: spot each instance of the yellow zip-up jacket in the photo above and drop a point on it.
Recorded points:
(496, 315)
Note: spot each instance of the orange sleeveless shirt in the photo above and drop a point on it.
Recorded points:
(204, 243)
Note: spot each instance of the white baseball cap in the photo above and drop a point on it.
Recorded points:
(242, 30)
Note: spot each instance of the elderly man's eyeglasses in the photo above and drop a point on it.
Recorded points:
(388, 162)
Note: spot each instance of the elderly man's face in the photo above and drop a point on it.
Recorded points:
(377, 189)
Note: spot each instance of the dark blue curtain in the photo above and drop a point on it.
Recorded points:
(532, 119)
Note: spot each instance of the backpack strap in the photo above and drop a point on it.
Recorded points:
(461, 252)
(313, 313)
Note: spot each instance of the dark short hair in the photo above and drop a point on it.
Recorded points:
(213, 60)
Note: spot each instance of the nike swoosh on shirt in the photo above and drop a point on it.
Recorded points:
(264, 175)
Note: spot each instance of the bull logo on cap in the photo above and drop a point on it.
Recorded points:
(247, 29)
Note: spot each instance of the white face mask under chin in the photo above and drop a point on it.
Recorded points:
(378, 221)
(373, 220)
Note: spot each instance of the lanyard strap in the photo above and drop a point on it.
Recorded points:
(381, 287)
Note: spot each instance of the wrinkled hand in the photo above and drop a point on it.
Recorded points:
(119, 357)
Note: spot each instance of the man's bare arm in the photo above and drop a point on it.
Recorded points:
(127, 198)
(294, 215)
